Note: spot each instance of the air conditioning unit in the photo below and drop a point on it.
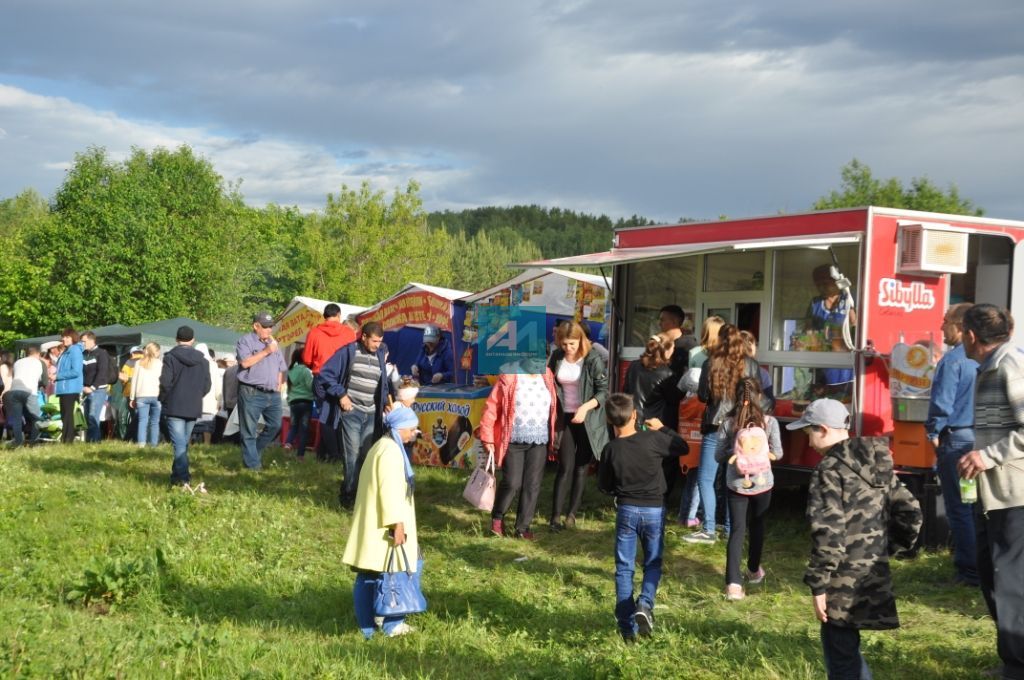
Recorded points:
(927, 249)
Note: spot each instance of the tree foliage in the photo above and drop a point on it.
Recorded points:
(556, 232)
(363, 248)
(860, 188)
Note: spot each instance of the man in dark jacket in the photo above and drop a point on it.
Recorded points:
(853, 492)
(184, 380)
(95, 386)
(354, 393)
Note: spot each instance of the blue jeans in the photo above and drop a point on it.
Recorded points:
(363, 590)
(960, 515)
(253, 403)
(356, 438)
(301, 411)
(706, 473)
(689, 500)
(180, 432)
(147, 411)
(633, 523)
(18, 405)
(843, 659)
(93, 406)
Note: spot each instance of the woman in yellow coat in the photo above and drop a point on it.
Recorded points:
(384, 516)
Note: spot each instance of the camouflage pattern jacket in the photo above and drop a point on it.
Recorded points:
(860, 513)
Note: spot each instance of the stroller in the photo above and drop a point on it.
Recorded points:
(51, 426)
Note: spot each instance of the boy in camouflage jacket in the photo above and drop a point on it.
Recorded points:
(860, 514)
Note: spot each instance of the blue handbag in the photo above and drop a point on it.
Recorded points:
(398, 592)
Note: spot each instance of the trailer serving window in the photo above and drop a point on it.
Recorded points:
(804, 317)
(811, 314)
(652, 285)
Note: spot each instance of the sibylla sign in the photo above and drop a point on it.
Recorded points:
(893, 293)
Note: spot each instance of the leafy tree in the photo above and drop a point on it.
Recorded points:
(362, 248)
(860, 188)
(479, 262)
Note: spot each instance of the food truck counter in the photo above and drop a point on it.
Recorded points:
(449, 414)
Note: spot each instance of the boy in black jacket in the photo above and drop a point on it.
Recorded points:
(631, 471)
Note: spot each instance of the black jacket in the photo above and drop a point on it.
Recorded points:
(184, 380)
(631, 467)
(96, 367)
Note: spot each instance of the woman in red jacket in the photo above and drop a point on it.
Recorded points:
(518, 428)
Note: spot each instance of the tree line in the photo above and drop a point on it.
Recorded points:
(161, 234)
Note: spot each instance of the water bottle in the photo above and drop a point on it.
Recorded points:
(969, 490)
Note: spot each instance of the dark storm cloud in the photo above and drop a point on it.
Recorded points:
(662, 108)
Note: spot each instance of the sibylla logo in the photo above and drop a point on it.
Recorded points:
(892, 293)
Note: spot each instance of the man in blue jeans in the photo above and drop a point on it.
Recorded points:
(631, 470)
(261, 371)
(184, 379)
(950, 428)
(355, 378)
(95, 372)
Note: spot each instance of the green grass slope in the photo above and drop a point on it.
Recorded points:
(106, 572)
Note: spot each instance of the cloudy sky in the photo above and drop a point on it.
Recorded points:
(664, 108)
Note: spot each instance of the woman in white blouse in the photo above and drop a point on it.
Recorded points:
(518, 428)
(145, 395)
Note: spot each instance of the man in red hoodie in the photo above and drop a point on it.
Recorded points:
(322, 342)
(325, 339)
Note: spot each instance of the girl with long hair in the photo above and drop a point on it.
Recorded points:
(581, 384)
(746, 494)
(729, 363)
(689, 501)
(647, 378)
(144, 395)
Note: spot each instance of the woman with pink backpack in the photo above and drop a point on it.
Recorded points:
(748, 440)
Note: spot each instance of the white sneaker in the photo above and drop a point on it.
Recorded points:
(378, 621)
(734, 592)
(401, 629)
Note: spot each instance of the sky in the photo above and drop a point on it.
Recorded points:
(663, 108)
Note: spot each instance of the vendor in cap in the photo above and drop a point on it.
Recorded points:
(434, 363)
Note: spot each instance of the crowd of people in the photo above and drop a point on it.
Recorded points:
(860, 514)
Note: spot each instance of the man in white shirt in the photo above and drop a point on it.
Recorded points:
(22, 400)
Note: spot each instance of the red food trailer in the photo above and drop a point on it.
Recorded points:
(901, 268)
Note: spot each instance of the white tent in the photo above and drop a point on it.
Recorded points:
(553, 289)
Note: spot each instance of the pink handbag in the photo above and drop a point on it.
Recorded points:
(480, 488)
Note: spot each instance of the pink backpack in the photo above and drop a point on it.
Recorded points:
(750, 454)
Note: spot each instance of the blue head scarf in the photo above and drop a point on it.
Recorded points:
(400, 418)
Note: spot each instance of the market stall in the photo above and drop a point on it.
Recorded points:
(562, 295)
(405, 314)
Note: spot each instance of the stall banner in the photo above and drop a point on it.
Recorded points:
(412, 308)
(294, 327)
(448, 419)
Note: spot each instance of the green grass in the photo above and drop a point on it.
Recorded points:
(250, 584)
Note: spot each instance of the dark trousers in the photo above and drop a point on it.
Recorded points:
(67, 417)
(1000, 535)
(843, 659)
(574, 456)
(330, 446)
(522, 472)
(298, 431)
(739, 505)
(952, 446)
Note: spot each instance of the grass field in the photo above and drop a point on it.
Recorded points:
(246, 582)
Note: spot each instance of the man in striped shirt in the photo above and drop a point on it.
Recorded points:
(355, 378)
(997, 462)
